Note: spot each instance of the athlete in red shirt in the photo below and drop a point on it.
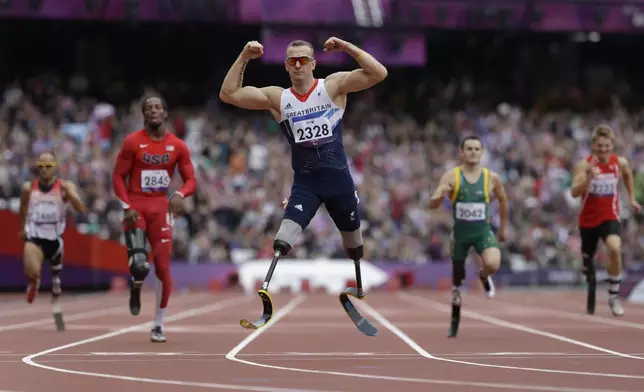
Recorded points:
(149, 158)
(596, 181)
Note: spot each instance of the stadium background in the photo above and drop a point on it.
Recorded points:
(531, 78)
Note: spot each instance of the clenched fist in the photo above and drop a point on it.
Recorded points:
(252, 50)
(334, 44)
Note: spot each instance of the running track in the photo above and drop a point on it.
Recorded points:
(530, 341)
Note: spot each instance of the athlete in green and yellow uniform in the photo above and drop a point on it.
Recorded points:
(470, 204)
(470, 188)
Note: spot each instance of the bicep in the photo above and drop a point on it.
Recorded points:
(124, 160)
(354, 81)
(447, 179)
(499, 190)
(624, 167)
(71, 190)
(26, 192)
(251, 98)
(186, 169)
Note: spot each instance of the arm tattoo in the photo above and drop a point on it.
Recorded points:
(241, 74)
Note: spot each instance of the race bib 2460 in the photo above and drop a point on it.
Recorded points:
(470, 212)
(154, 180)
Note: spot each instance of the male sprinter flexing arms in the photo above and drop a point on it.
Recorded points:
(596, 180)
(469, 188)
(149, 158)
(42, 216)
(310, 114)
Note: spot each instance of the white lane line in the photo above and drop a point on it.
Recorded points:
(424, 353)
(74, 316)
(571, 315)
(428, 303)
(29, 360)
(232, 355)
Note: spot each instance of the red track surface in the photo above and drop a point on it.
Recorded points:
(312, 346)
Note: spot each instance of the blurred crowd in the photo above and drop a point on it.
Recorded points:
(244, 174)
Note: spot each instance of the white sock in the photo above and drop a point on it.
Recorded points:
(159, 315)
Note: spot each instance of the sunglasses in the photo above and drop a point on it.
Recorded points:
(303, 60)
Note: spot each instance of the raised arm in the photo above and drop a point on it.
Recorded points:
(371, 71)
(445, 188)
(248, 97)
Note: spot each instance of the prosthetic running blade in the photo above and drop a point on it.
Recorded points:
(364, 326)
(590, 297)
(456, 314)
(455, 321)
(267, 313)
(58, 320)
(57, 314)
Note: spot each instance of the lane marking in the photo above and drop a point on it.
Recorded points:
(130, 354)
(564, 298)
(411, 343)
(232, 355)
(575, 316)
(288, 308)
(72, 317)
(78, 316)
(68, 302)
(336, 355)
(519, 327)
(29, 360)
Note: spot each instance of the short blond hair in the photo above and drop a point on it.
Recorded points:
(300, 42)
(603, 130)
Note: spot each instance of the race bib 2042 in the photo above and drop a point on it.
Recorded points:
(470, 212)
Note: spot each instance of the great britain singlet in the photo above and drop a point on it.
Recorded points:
(46, 215)
(600, 203)
(312, 124)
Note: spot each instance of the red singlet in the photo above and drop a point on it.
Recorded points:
(600, 203)
(150, 165)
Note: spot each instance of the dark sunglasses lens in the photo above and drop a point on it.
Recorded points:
(302, 60)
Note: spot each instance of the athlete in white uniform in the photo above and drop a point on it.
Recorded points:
(43, 214)
(310, 114)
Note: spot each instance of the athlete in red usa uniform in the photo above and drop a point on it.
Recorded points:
(148, 158)
(596, 181)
